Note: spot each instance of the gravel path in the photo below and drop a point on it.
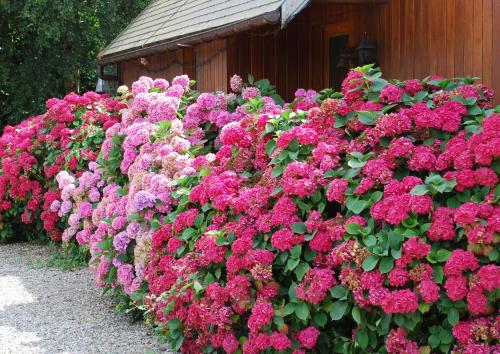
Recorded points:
(49, 311)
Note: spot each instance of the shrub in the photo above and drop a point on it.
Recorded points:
(66, 137)
(361, 222)
(126, 195)
(365, 220)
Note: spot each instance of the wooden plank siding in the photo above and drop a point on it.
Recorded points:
(496, 47)
(416, 38)
(211, 66)
(295, 56)
(166, 65)
(443, 37)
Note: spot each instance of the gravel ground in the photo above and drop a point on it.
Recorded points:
(45, 310)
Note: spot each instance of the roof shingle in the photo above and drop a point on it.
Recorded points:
(165, 21)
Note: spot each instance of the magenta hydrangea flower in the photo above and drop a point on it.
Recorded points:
(308, 337)
(250, 92)
(182, 80)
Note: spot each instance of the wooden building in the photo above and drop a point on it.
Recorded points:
(298, 43)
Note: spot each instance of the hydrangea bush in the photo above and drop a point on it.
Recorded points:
(115, 207)
(67, 137)
(365, 220)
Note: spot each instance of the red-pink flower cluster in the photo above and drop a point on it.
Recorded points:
(34, 151)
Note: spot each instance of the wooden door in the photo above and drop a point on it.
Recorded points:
(336, 38)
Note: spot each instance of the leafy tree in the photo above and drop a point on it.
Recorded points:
(49, 47)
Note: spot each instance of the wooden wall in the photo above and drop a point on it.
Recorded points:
(211, 66)
(415, 38)
(445, 37)
(205, 62)
(295, 57)
(162, 65)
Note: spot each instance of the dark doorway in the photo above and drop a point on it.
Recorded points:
(337, 45)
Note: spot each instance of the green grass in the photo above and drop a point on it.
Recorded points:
(66, 258)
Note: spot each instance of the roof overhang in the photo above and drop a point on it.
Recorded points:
(193, 38)
(161, 39)
(173, 24)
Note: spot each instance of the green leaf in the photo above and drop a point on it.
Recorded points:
(433, 341)
(356, 205)
(292, 263)
(340, 121)
(386, 264)
(445, 336)
(289, 308)
(442, 255)
(338, 310)
(187, 234)
(301, 270)
(367, 117)
(296, 251)
(395, 240)
(370, 241)
(419, 96)
(199, 220)
(302, 311)
(291, 291)
(351, 173)
(174, 324)
(276, 190)
(197, 286)
(353, 228)
(155, 224)
(355, 163)
(356, 315)
(370, 263)
(421, 189)
(299, 228)
(453, 316)
(320, 319)
(376, 196)
(362, 339)
(294, 145)
(494, 255)
(475, 110)
(277, 171)
(388, 108)
(338, 292)
(385, 323)
(309, 254)
(178, 342)
(425, 227)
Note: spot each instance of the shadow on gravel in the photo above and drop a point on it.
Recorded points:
(44, 310)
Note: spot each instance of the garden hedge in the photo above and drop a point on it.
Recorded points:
(365, 220)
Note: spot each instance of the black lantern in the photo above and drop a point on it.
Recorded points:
(367, 51)
(107, 78)
(346, 59)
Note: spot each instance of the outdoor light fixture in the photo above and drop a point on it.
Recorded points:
(106, 82)
(102, 86)
(346, 59)
(367, 51)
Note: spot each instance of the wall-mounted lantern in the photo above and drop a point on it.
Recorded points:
(347, 59)
(108, 79)
(367, 51)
